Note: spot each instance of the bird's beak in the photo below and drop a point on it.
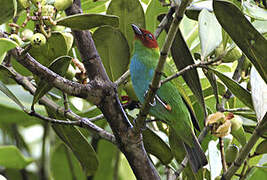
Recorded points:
(137, 30)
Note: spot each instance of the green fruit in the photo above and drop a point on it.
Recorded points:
(38, 39)
(237, 130)
(16, 38)
(261, 148)
(236, 123)
(61, 5)
(232, 55)
(26, 34)
(25, 3)
(231, 154)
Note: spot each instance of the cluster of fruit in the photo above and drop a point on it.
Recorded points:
(43, 13)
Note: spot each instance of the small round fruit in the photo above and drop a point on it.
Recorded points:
(38, 39)
(61, 5)
(231, 153)
(236, 123)
(26, 34)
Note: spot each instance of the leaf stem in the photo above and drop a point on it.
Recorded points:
(222, 154)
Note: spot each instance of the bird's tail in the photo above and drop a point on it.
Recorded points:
(196, 155)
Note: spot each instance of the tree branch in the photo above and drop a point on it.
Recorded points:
(76, 120)
(91, 92)
(130, 143)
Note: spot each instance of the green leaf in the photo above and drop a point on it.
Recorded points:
(91, 6)
(7, 92)
(64, 165)
(246, 37)
(157, 147)
(259, 93)
(154, 9)
(79, 145)
(182, 58)
(130, 12)
(6, 45)
(88, 21)
(59, 66)
(106, 160)
(254, 11)
(210, 32)
(258, 173)
(113, 49)
(11, 157)
(7, 10)
(12, 113)
(241, 93)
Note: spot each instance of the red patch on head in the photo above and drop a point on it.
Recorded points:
(147, 38)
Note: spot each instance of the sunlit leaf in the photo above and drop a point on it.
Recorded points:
(254, 11)
(259, 93)
(11, 157)
(7, 92)
(210, 32)
(88, 21)
(214, 159)
(6, 45)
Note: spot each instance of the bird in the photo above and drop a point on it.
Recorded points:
(168, 104)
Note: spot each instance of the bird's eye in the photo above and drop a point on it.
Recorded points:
(149, 36)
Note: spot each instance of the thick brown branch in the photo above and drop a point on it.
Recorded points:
(92, 92)
(130, 143)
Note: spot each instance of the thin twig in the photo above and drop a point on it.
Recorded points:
(155, 84)
(222, 155)
(123, 78)
(187, 68)
(164, 22)
(237, 110)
